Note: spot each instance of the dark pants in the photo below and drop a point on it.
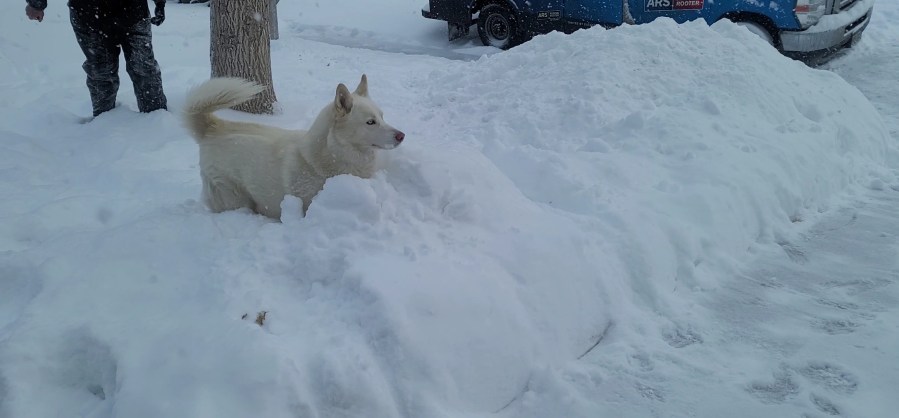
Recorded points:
(101, 49)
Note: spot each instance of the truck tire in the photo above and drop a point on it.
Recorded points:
(759, 30)
(759, 25)
(498, 26)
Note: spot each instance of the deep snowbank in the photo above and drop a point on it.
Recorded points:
(687, 128)
(544, 194)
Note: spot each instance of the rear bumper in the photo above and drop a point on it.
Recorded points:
(832, 33)
(453, 11)
(427, 13)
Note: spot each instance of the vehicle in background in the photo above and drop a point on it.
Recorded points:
(803, 29)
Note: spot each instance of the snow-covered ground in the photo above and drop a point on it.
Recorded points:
(651, 221)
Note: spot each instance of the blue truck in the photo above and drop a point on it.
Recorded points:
(803, 29)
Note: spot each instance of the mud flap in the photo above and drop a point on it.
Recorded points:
(457, 30)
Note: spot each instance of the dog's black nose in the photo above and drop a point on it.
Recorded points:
(399, 136)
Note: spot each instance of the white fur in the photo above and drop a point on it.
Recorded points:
(248, 165)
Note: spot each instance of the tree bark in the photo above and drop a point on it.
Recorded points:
(239, 47)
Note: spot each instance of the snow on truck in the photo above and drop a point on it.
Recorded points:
(798, 28)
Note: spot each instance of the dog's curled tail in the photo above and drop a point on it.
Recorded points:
(215, 94)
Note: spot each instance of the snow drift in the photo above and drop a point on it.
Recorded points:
(575, 190)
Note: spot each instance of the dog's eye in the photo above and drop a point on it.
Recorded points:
(371, 122)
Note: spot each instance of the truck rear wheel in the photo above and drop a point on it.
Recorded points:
(758, 30)
(498, 26)
(759, 25)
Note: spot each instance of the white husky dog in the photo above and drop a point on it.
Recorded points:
(248, 165)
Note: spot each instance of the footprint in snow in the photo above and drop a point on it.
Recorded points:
(824, 405)
(843, 306)
(679, 338)
(830, 376)
(86, 363)
(857, 286)
(783, 388)
(796, 254)
(835, 326)
(649, 392)
(642, 362)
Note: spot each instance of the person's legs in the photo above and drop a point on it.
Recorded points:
(101, 64)
(143, 68)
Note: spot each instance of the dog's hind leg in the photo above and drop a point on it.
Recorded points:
(221, 196)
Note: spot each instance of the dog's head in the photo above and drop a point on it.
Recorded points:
(359, 121)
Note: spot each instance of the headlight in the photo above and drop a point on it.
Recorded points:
(810, 11)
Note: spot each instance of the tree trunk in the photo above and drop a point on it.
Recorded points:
(239, 47)
(274, 20)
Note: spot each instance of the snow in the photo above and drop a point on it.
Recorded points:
(657, 220)
(832, 22)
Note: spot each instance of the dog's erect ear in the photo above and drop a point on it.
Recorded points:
(362, 88)
(343, 102)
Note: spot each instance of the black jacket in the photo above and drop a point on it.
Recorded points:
(105, 13)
